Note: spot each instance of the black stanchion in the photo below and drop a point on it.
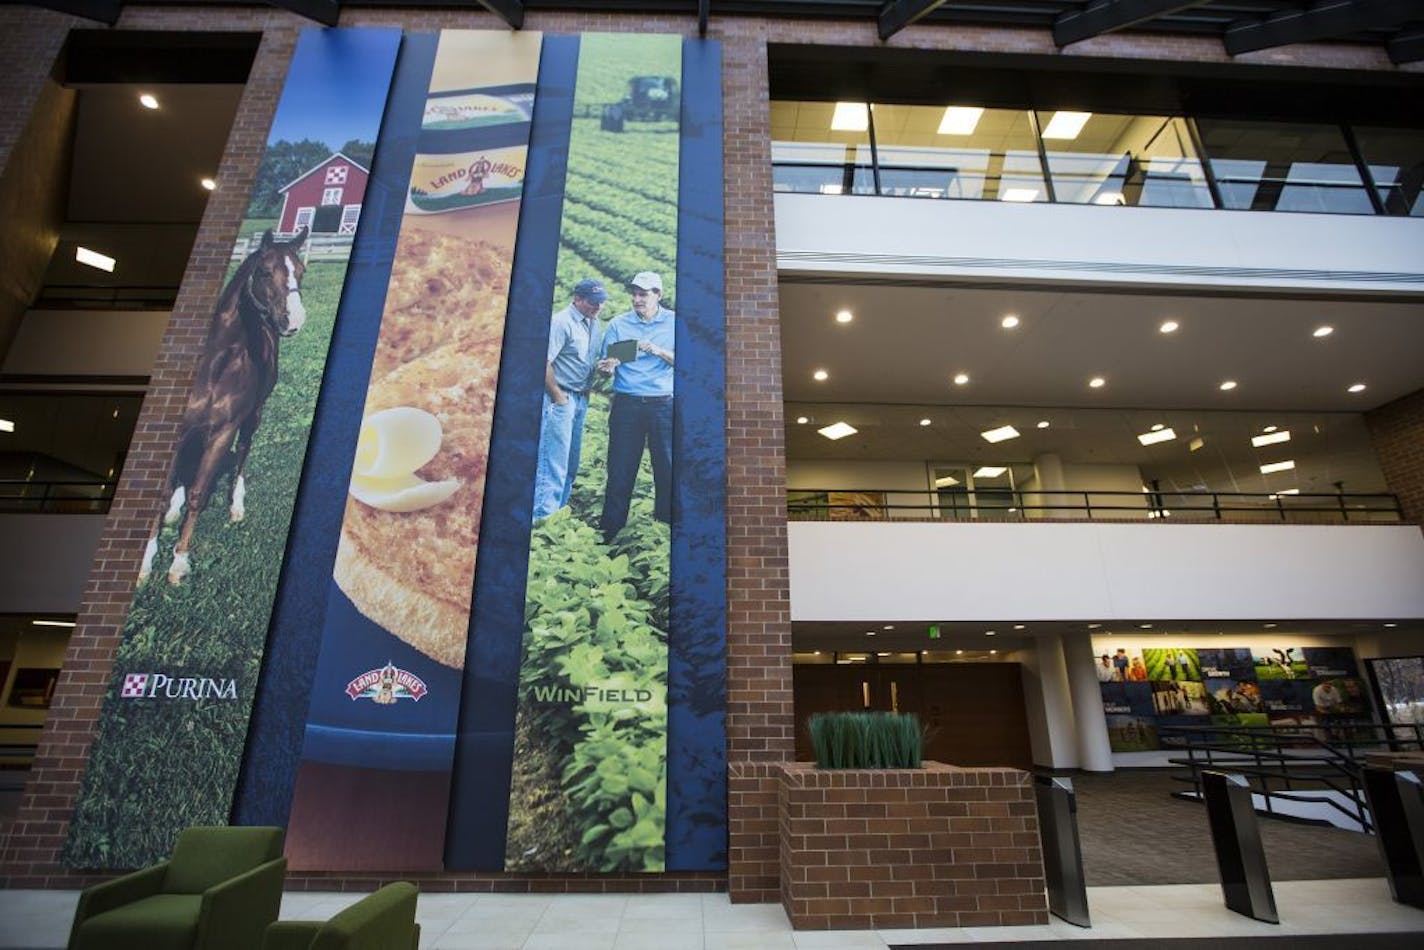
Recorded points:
(1397, 807)
(1062, 852)
(1245, 880)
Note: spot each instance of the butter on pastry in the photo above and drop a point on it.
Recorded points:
(393, 444)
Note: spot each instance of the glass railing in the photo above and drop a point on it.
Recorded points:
(1013, 505)
(56, 497)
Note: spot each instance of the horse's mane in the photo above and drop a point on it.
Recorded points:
(228, 297)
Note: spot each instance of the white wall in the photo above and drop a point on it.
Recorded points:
(1166, 247)
(87, 342)
(1083, 571)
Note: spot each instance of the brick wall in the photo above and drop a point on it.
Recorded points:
(1397, 430)
(759, 720)
(934, 847)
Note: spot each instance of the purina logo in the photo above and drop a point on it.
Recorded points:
(386, 686)
(165, 686)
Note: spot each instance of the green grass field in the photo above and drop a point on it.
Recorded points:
(1159, 669)
(160, 765)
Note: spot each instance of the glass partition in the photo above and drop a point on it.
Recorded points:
(1105, 159)
(63, 452)
(813, 149)
(1283, 166)
(958, 152)
(1396, 161)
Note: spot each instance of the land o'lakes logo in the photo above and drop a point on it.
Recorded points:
(387, 686)
(170, 686)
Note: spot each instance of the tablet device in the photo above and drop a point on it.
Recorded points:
(624, 351)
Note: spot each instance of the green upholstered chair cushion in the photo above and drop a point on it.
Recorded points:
(160, 922)
(383, 921)
(204, 857)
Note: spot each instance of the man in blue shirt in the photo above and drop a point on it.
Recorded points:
(641, 415)
(567, 374)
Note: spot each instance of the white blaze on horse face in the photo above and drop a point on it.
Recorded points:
(146, 568)
(238, 511)
(296, 313)
(175, 506)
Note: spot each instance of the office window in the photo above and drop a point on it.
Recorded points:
(958, 152)
(1283, 166)
(810, 156)
(1105, 159)
(1396, 161)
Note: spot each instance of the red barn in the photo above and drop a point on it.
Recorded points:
(327, 199)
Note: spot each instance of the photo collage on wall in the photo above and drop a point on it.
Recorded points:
(1147, 688)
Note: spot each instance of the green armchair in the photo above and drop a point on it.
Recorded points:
(384, 920)
(219, 891)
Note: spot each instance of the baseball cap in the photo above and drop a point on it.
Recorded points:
(647, 280)
(591, 290)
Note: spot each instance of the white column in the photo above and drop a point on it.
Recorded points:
(1048, 468)
(1094, 752)
(1050, 709)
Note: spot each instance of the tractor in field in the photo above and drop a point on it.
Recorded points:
(649, 99)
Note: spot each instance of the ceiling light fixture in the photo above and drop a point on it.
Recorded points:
(1001, 434)
(1097, 382)
(888, 626)
(1391, 625)
(958, 652)
(1168, 326)
(844, 316)
(53, 623)
(1043, 423)
(1159, 435)
(832, 189)
(850, 117)
(1357, 388)
(1019, 194)
(838, 430)
(1322, 332)
(989, 633)
(1271, 438)
(7, 425)
(960, 120)
(993, 652)
(1018, 626)
(820, 376)
(961, 379)
(924, 422)
(989, 471)
(1196, 444)
(1094, 626)
(1270, 428)
(1066, 125)
(94, 259)
(1144, 626)
(870, 633)
(1227, 385)
(802, 420)
(208, 184)
(1009, 322)
(1158, 427)
(1268, 626)
(945, 481)
(148, 100)
(1272, 467)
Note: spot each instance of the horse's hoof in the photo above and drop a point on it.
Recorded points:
(236, 515)
(179, 569)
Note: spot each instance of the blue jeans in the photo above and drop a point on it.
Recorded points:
(560, 444)
(635, 423)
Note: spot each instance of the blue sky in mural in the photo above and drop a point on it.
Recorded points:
(335, 76)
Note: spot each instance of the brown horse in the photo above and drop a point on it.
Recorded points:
(261, 303)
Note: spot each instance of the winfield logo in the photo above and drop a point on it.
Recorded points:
(167, 686)
(386, 686)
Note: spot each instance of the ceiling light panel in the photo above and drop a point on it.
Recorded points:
(1066, 125)
(1271, 467)
(990, 471)
(850, 117)
(1160, 435)
(838, 430)
(960, 120)
(1001, 434)
(1019, 194)
(94, 259)
(1272, 438)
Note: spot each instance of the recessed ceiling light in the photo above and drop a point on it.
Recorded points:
(960, 120)
(1043, 423)
(53, 623)
(888, 626)
(1357, 388)
(1097, 382)
(993, 652)
(844, 316)
(7, 425)
(1227, 385)
(1001, 434)
(1271, 467)
(148, 100)
(989, 633)
(1159, 435)
(1094, 626)
(1066, 125)
(209, 184)
(1009, 322)
(961, 379)
(850, 117)
(870, 633)
(882, 654)
(1323, 331)
(820, 376)
(1018, 626)
(1270, 428)
(1391, 625)
(1268, 625)
(924, 422)
(94, 259)
(958, 652)
(1270, 438)
(1168, 326)
(1019, 194)
(838, 430)
(945, 481)
(989, 471)
(1158, 427)
(1196, 444)
(1144, 626)
(802, 420)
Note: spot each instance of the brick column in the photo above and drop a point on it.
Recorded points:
(1397, 430)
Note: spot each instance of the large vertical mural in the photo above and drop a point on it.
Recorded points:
(175, 718)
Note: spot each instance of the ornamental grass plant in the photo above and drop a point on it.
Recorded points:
(867, 740)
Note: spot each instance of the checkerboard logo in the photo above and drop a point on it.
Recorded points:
(134, 685)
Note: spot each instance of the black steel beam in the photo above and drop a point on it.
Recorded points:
(1106, 16)
(898, 14)
(103, 11)
(510, 11)
(1322, 21)
(1406, 47)
(704, 7)
(324, 12)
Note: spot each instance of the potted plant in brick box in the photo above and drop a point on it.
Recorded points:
(873, 837)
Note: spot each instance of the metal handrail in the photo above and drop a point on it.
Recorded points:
(870, 504)
(58, 496)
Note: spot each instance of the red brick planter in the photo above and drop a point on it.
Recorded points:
(939, 846)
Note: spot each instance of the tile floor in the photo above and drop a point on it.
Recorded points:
(39, 920)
